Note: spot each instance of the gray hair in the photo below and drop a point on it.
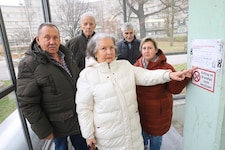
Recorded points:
(87, 14)
(127, 25)
(92, 46)
(49, 24)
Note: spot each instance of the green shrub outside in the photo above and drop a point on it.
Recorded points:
(7, 103)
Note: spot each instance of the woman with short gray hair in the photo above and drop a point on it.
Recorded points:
(93, 44)
(106, 96)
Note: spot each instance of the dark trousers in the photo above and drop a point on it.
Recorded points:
(78, 142)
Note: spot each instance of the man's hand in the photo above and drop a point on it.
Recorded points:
(49, 137)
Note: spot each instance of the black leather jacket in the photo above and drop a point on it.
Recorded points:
(78, 46)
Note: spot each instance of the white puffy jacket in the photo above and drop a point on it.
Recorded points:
(107, 105)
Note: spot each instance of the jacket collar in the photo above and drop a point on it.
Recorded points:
(104, 66)
(43, 56)
(82, 33)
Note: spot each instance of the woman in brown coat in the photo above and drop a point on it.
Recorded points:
(155, 102)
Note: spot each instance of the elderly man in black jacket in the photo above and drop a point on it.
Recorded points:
(46, 88)
(78, 44)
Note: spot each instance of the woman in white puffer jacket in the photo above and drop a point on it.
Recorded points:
(106, 96)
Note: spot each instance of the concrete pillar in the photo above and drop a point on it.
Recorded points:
(204, 122)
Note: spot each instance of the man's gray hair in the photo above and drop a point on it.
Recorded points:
(49, 24)
(87, 14)
(127, 25)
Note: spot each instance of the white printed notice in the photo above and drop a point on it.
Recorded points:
(207, 54)
(204, 79)
(12, 3)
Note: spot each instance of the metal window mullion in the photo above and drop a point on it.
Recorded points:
(46, 11)
(12, 72)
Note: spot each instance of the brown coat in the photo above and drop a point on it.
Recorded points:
(155, 102)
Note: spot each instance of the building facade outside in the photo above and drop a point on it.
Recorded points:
(21, 21)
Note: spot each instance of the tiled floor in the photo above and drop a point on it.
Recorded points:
(172, 140)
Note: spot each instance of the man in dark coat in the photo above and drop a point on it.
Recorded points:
(78, 44)
(128, 47)
(46, 88)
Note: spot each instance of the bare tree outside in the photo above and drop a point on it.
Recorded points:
(22, 41)
(22, 33)
(163, 9)
(175, 7)
(66, 15)
(28, 11)
(137, 7)
(109, 23)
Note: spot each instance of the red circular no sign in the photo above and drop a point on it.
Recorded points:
(196, 76)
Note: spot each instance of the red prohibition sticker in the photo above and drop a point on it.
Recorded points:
(204, 79)
(196, 76)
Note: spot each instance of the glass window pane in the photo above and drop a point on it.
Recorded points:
(10, 125)
(7, 106)
(21, 19)
(21, 23)
(5, 78)
(168, 25)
